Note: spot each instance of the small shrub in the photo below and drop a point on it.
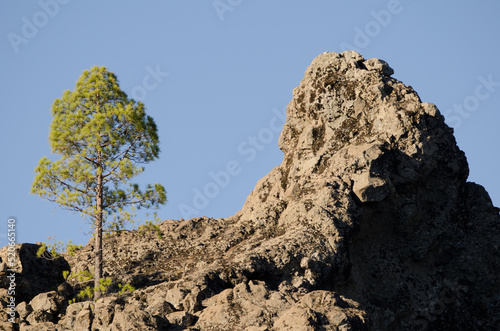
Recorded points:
(86, 293)
(82, 277)
(54, 250)
(104, 284)
(49, 252)
(124, 288)
(71, 249)
(151, 227)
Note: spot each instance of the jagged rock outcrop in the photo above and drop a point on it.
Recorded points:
(33, 275)
(368, 224)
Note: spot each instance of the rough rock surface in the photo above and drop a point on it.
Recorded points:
(33, 275)
(368, 224)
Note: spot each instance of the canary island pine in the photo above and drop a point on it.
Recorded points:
(102, 138)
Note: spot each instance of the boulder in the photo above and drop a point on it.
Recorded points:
(78, 317)
(114, 313)
(33, 274)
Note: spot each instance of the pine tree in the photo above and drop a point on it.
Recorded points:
(102, 137)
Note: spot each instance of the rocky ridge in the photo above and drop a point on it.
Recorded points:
(369, 223)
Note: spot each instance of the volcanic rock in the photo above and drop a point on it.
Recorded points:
(33, 274)
(369, 223)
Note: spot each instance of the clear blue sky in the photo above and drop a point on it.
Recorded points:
(217, 79)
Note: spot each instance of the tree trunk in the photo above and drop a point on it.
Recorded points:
(98, 238)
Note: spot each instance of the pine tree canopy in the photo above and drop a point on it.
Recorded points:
(103, 138)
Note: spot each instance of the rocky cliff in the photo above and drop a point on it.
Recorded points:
(369, 223)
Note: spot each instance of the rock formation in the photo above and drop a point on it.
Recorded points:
(368, 224)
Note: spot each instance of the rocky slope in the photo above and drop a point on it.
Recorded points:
(368, 224)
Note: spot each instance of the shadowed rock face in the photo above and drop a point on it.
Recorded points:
(369, 223)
